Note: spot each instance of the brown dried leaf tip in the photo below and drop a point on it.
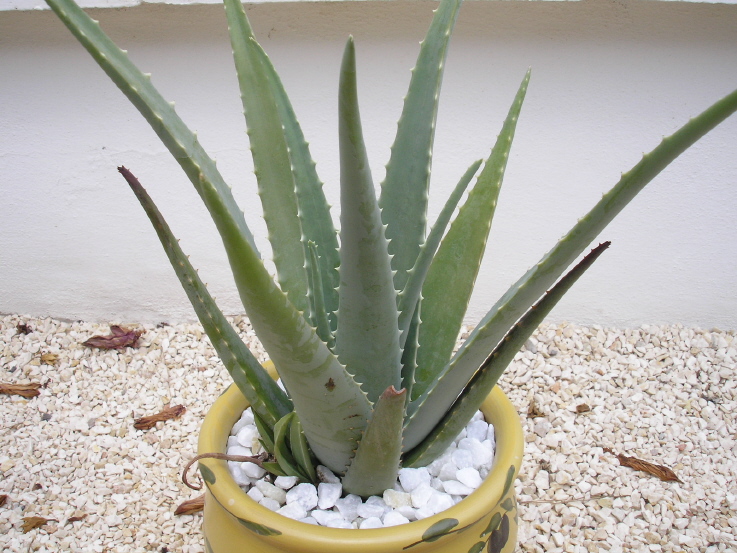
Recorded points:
(3, 499)
(23, 328)
(664, 473)
(77, 518)
(191, 506)
(144, 423)
(25, 390)
(118, 338)
(29, 523)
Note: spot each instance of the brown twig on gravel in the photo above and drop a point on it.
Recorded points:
(256, 460)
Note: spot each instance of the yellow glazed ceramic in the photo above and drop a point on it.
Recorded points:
(486, 521)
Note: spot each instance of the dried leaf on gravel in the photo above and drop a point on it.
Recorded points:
(25, 390)
(144, 423)
(49, 358)
(534, 411)
(29, 523)
(77, 518)
(191, 506)
(23, 328)
(118, 338)
(3, 499)
(664, 473)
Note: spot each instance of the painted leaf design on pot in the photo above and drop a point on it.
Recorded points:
(510, 480)
(477, 547)
(436, 531)
(494, 523)
(259, 529)
(207, 474)
(508, 504)
(499, 537)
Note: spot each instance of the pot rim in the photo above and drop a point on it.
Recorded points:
(497, 409)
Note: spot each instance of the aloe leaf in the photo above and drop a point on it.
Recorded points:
(267, 400)
(521, 295)
(464, 408)
(409, 352)
(271, 160)
(404, 191)
(179, 140)
(301, 451)
(318, 313)
(374, 468)
(282, 451)
(450, 279)
(409, 297)
(266, 432)
(313, 209)
(274, 468)
(367, 337)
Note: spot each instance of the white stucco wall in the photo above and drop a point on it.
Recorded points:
(609, 79)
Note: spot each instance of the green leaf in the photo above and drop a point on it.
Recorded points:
(267, 400)
(454, 419)
(266, 432)
(160, 114)
(274, 468)
(301, 451)
(282, 450)
(439, 529)
(318, 313)
(367, 338)
(375, 466)
(450, 280)
(271, 160)
(521, 295)
(404, 191)
(410, 295)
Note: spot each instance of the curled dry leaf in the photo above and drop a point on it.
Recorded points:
(29, 523)
(3, 499)
(49, 358)
(664, 473)
(191, 506)
(144, 423)
(534, 411)
(23, 328)
(25, 390)
(118, 338)
(76, 518)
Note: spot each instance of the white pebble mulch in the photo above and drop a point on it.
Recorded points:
(667, 395)
(418, 492)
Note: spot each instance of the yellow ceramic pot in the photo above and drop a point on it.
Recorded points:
(486, 521)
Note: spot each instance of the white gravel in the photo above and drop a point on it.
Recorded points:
(418, 492)
(662, 394)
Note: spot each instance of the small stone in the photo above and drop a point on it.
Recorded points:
(348, 506)
(395, 499)
(324, 474)
(323, 518)
(393, 518)
(272, 492)
(285, 482)
(470, 477)
(328, 494)
(371, 522)
(270, 504)
(294, 511)
(303, 494)
(366, 510)
(252, 470)
(410, 478)
(421, 495)
(454, 487)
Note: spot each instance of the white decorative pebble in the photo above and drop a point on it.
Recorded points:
(328, 494)
(371, 522)
(348, 506)
(410, 478)
(303, 494)
(395, 499)
(285, 482)
(393, 518)
(469, 477)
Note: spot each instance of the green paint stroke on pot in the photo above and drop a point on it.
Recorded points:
(477, 547)
(207, 474)
(499, 537)
(494, 523)
(508, 504)
(259, 529)
(436, 531)
(510, 480)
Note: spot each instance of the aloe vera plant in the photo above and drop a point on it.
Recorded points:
(362, 334)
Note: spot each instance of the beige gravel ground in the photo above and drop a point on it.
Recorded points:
(666, 395)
